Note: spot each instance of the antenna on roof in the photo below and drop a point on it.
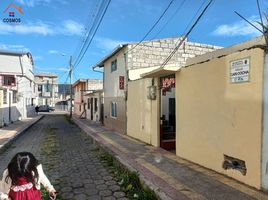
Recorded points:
(264, 30)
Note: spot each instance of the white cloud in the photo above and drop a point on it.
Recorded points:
(53, 52)
(52, 68)
(71, 27)
(39, 28)
(32, 3)
(35, 58)
(68, 27)
(11, 47)
(240, 28)
(108, 44)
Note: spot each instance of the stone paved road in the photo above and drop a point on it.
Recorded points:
(68, 158)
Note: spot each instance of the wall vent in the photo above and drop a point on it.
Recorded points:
(234, 163)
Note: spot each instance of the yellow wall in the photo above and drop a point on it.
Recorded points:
(142, 113)
(216, 117)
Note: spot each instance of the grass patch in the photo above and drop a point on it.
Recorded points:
(49, 149)
(128, 180)
(49, 146)
(69, 119)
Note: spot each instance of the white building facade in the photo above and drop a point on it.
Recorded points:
(47, 88)
(17, 87)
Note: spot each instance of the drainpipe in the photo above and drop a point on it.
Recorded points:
(126, 90)
(22, 73)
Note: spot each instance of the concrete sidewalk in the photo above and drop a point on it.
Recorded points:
(10, 132)
(168, 175)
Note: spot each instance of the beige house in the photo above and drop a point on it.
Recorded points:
(94, 107)
(82, 87)
(221, 111)
(125, 64)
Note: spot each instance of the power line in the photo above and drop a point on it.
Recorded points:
(92, 13)
(150, 30)
(185, 36)
(83, 51)
(170, 19)
(88, 33)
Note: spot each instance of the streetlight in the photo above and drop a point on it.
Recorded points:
(71, 92)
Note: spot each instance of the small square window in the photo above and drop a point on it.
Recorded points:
(9, 81)
(114, 65)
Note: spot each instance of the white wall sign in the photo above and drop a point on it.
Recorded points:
(239, 70)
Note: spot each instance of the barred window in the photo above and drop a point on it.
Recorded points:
(113, 109)
(14, 98)
(114, 65)
(9, 80)
(5, 96)
(96, 105)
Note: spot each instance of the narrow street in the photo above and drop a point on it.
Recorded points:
(68, 159)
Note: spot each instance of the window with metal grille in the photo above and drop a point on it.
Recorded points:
(88, 103)
(114, 65)
(4, 96)
(9, 80)
(113, 109)
(96, 105)
(14, 97)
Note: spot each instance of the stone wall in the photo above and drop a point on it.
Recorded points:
(155, 52)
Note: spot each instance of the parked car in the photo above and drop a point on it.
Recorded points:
(45, 108)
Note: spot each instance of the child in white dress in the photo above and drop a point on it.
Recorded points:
(22, 179)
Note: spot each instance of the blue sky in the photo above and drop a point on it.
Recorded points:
(52, 30)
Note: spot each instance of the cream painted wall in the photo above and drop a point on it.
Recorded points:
(111, 83)
(143, 113)
(78, 97)
(112, 93)
(215, 117)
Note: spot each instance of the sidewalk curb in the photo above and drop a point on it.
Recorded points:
(7, 143)
(127, 163)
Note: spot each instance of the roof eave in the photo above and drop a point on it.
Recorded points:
(100, 64)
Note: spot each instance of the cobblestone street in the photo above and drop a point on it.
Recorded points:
(68, 159)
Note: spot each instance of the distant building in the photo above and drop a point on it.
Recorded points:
(94, 105)
(82, 87)
(17, 87)
(47, 88)
(64, 95)
(64, 91)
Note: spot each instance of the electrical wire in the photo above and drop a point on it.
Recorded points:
(170, 19)
(83, 51)
(88, 33)
(185, 36)
(154, 25)
(92, 13)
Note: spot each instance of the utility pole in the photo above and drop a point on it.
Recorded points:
(71, 88)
